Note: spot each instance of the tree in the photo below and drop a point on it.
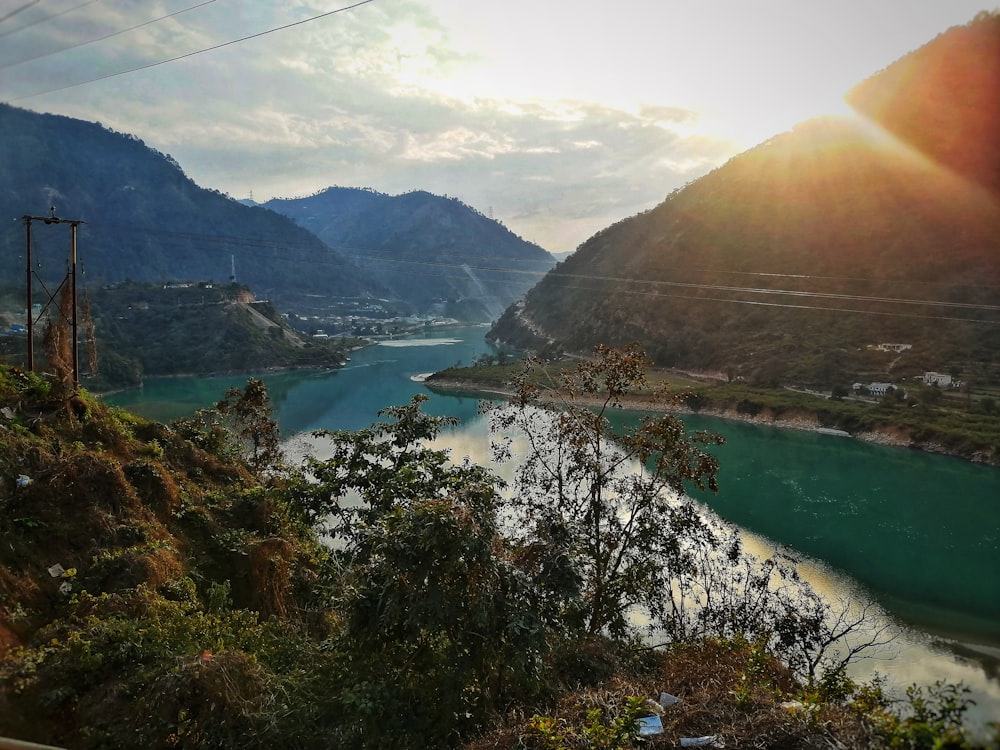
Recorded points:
(606, 532)
(606, 536)
(839, 392)
(250, 411)
(439, 626)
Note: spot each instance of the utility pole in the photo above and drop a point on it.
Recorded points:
(71, 278)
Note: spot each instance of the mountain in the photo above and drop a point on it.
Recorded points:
(942, 100)
(792, 261)
(432, 252)
(145, 219)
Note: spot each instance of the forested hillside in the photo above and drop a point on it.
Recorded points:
(145, 219)
(430, 251)
(196, 328)
(942, 100)
(793, 259)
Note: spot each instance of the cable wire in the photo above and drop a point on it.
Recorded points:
(43, 19)
(366, 258)
(251, 248)
(14, 12)
(106, 36)
(195, 52)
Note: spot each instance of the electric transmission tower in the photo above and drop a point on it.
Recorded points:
(67, 287)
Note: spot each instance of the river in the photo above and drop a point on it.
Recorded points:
(918, 533)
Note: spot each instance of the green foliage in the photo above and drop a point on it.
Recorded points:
(932, 718)
(207, 430)
(146, 671)
(438, 625)
(203, 613)
(755, 675)
(198, 328)
(250, 411)
(605, 533)
(387, 465)
(615, 732)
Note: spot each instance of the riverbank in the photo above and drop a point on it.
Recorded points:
(757, 410)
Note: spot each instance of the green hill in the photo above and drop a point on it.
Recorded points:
(133, 329)
(433, 252)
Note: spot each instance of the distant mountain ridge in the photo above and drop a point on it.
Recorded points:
(429, 250)
(147, 221)
(787, 262)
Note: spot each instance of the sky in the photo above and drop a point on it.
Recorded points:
(556, 117)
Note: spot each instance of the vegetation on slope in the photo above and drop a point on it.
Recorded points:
(145, 219)
(470, 267)
(133, 330)
(915, 99)
(166, 587)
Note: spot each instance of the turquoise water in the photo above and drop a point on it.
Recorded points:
(920, 533)
(348, 398)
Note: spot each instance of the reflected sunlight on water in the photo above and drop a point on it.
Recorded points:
(919, 530)
(912, 657)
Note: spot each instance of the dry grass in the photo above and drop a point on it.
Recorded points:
(732, 692)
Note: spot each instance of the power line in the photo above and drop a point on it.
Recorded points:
(43, 19)
(782, 292)
(196, 52)
(366, 255)
(18, 10)
(819, 308)
(106, 36)
(653, 287)
(251, 248)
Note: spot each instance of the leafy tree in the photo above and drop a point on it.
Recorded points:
(438, 625)
(250, 411)
(934, 718)
(607, 536)
(606, 531)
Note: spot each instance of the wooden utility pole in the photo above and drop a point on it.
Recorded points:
(71, 279)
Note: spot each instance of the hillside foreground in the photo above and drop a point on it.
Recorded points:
(167, 586)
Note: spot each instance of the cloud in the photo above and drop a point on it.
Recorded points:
(358, 98)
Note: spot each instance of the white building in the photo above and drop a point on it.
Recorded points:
(875, 389)
(940, 379)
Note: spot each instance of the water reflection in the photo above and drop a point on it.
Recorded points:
(919, 533)
(914, 656)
